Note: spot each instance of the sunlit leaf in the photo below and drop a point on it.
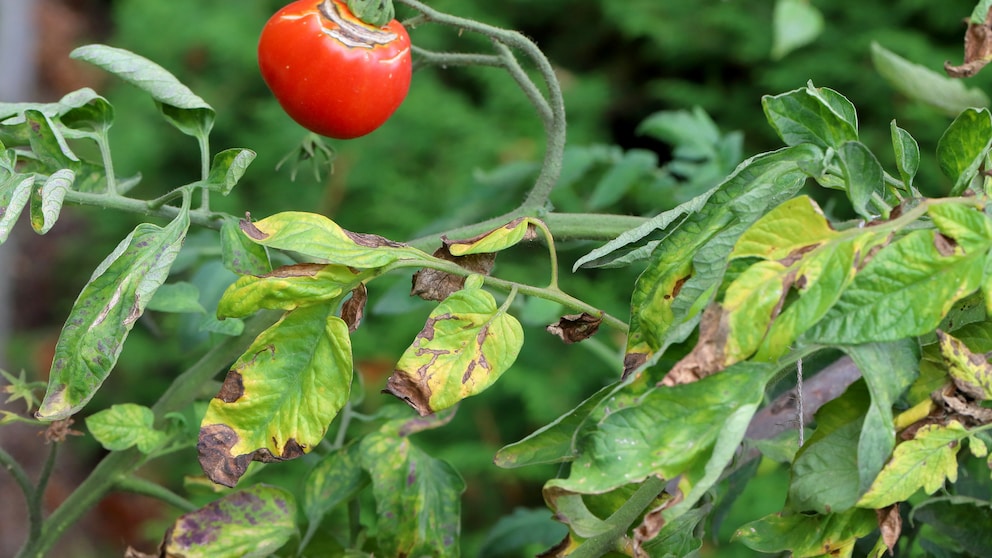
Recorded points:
(280, 396)
(493, 241)
(820, 116)
(105, 312)
(126, 425)
(972, 372)
(287, 288)
(249, 523)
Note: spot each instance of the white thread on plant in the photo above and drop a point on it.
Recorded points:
(799, 402)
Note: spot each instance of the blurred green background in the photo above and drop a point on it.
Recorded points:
(462, 148)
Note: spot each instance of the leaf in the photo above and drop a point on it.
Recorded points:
(227, 169)
(287, 288)
(104, 313)
(337, 478)
(863, 175)
(907, 153)
(179, 297)
(971, 372)
(123, 426)
(46, 200)
(690, 261)
(819, 116)
(969, 226)
(693, 134)
(249, 523)
(85, 110)
(926, 461)
(280, 396)
(903, 291)
(495, 240)
(793, 227)
(465, 346)
(239, 254)
(950, 96)
(15, 192)
(317, 236)
(513, 534)
(666, 432)
(681, 536)
(417, 497)
(962, 520)
(981, 11)
(48, 144)
(808, 535)
(963, 147)
(796, 23)
(635, 165)
(570, 508)
(180, 106)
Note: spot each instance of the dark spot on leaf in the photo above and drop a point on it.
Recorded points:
(797, 254)
(353, 310)
(411, 475)
(415, 393)
(233, 387)
(250, 229)
(214, 453)
(678, 287)
(945, 245)
(431, 284)
(890, 525)
(633, 361)
(574, 328)
(468, 372)
(707, 357)
(298, 270)
(372, 240)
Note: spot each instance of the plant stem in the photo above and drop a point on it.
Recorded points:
(621, 520)
(24, 483)
(204, 141)
(144, 487)
(108, 163)
(199, 217)
(552, 252)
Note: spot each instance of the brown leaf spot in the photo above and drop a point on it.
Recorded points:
(958, 406)
(353, 310)
(415, 393)
(977, 50)
(890, 524)
(945, 245)
(575, 327)
(797, 254)
(707, 357)
(372, 240)
(298, 270)
(233, 387)
(214, 452)
(633, 361)
(250, 229)
(431, 284)
(678, 287)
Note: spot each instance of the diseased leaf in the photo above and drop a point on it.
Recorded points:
(963, 147)
(46, 200)
(287, 288)
(126, 425)
(48, 144)
(227, 169)
(465, 346)
(575, 328)
(950, 96)
(249, 523)
(239, 253)
(808, 535)
(820, 116)
(790, 229)
(971, 372)
(417, 497)
(15, 192)
(437, 285)
(493, 241)
(105, 312)
(337, 478)
(318, 237)
(926, 461)
(280, 396)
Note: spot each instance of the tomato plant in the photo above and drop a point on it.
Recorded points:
(333, 73)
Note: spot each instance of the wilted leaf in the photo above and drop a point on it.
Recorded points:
(971, 372)
(15, 192)
(437, 285)
(574, 328)
(493, 241)
(977, 44)
(241, 255)
(46, 201)
(123, 426)
(890, 525)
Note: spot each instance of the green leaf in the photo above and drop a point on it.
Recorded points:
(981, 12)
(19, 388)
(183, 109)
(317, 236)
(972, 373)
(808, 535)
(465, 346)
(376, 13)
(680, 536)
(239, 254)
(287, 288)
(907, 153)
(950, 96)
(180, 297)
(554, 442)
(417, 497)
(693, 134)
(249, 523)
(337, 478)
(903, 291)
(280, 396)
(85, 110)
(926, 461)
(15, 193)
(863, 175)
(820, 116)
(571, 509)
(514, 534)
(46, 200)
(962, 520)
(126, 425)
(963, 147)
(635, 165)
(668, 431)
(493, 241)
(227, 169)
(105, 312)
(968, 225)
(689, 263)
(48, 144)
(796, 24)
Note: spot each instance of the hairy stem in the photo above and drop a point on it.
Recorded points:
(141, 207)
(621, 521)
(8, 462)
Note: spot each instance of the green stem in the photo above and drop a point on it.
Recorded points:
(446, 59)
(552, 252)
(343, 427)
(24, 483)
(621, 521)
(204, 141)
(120, 464)
(108, 164)
(43, 478)
(144, 487)
(512, 66)
(141, 207)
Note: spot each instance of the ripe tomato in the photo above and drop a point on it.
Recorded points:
(332, 73)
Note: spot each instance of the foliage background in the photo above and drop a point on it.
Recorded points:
(462, 147)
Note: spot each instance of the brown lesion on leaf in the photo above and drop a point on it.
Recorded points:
(707, 357)
(977, 49)
(233, 387)
(416, 394)
(353, 310)
(861, 260)
(250, 229)
(372, 240)
(427, 333)
(945, 245)
(797, 254)
(432, 284)
(297, 270)
(222, 467)
(633, 361)
(573, 328)
(677, 288)
(890, 525)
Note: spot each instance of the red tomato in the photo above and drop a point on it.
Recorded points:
(332, 73)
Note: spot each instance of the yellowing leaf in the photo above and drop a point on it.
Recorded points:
(797, 225)
(971, 372)
(494, 240)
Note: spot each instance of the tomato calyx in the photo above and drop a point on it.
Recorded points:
(350, 30)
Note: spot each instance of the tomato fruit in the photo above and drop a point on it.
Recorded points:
(331, 72)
